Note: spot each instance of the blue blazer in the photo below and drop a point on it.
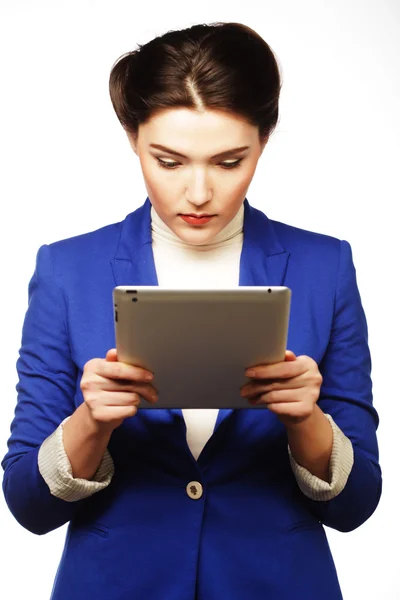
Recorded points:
(253, 534)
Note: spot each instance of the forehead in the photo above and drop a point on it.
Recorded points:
(208, 131)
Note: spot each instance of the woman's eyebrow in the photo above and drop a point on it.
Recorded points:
(219, 155)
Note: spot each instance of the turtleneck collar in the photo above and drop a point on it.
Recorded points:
(162, 233)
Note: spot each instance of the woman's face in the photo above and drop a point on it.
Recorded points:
(203, 165)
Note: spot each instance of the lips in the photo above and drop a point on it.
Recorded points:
(196, 219)
(203, 216)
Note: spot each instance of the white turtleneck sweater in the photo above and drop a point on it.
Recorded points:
(180, 265)
(214, 265)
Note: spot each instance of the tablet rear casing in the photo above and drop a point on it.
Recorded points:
(198, 343)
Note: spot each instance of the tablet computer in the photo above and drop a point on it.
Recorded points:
(198, 343)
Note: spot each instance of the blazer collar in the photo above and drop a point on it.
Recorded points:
(263, 260)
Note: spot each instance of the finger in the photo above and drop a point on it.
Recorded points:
(281, 370)
(120, 399)
(96, 384)
(289, 409)
(107, 414)
(111, 355)
(148, 392)
(263, 387)
(119, 370)
(289, 357)
(277, 397)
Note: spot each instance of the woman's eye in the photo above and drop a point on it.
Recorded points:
(231, 165)
(167, 165)
(172, 165)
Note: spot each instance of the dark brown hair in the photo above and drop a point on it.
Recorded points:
(225, 66)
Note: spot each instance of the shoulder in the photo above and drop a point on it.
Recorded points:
(103, 240)
(120, 239)
(306, 248)
(317, 261)
(312, 255)
(82, 258)
(81, 252)
(293, 238)
(278, 237)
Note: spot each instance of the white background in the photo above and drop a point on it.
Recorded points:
(66, 168)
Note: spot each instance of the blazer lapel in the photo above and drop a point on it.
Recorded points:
(263, 260)
(133, 263)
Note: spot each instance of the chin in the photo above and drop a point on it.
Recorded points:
(198, 239)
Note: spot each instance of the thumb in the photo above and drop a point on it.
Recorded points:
(289, 356)
(111, 355)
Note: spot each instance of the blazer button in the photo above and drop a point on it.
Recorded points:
(194, 490)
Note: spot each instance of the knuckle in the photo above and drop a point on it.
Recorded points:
(86, 384)
(306, 360)
(278, 409)
(315, 390)
(92, 365)
(135, 399)
(91, 401)
(97, 414)
(272, 396)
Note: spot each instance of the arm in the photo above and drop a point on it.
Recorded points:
(320, 476)
(320, 454)
(346, 395)
(84, 442)
(310, 433)
(310, 442)
(51, 457)
(340, 465)
(46, 388)
(70, 479)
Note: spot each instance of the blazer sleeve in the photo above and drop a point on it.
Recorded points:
(346, 395)
(46, 389)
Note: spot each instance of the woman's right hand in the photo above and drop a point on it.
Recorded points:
(112, 390)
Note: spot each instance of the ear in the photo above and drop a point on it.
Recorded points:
(263, 143)
(132, 138)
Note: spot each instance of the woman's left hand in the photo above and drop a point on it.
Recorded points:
(290, 388)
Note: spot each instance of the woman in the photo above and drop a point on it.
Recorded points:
(168, 504)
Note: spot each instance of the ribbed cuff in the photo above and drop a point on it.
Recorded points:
(341, 463)
(56, 470)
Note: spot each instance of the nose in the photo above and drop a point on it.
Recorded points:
(198, 190)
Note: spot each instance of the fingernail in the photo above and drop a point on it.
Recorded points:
(149, 377)
(250, 373)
